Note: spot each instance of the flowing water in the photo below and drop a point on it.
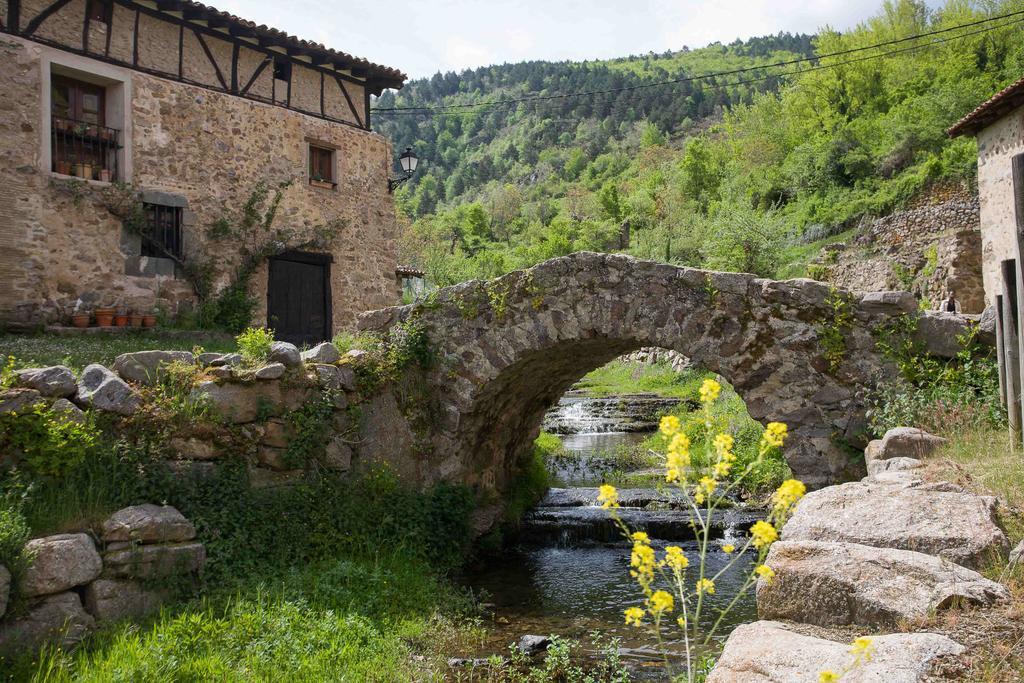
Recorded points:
(569, 573)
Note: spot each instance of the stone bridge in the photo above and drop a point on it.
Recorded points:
(507, 349)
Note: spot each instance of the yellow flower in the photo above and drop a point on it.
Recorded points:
(675, 559)
(765, 572)
(678, 458)
(828, 677)
(642, 562)
(607, 496)
(723, 444)
(774, 435)
(709, 390)
(661, 601)
(706, 486)
(764, 534)
(634, 616)
(681, 621)
(788, 494)
(640, 537)
(705, 586)
(721, 469)
(680, 444)
(862, 648)
(669, 425)
(728, 548)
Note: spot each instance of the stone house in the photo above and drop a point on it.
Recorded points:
(192, 108)
(998, 126)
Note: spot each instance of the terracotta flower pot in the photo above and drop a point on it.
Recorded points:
(104, 311)
(80, 320)
(104, 320)
(149, 321)
(121, 320)
(136, 319)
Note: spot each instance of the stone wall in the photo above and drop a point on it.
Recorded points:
(74, 583)
(59, 247)
(997, 145)
(930, 248)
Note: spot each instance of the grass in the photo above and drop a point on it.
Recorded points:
(77, 351)
(985, 460)
(389, 618)
(618, 378)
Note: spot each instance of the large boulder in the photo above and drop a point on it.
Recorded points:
(102, 389)
(908, 442)
(987, 326)
(893, 303)
(768, 652)
(286, 354)
(148, 524)
(271, 371)
(56, 381)
(832, 584)
(322, 353)
(958, 526)
(19, 400)
(112, 600)
(940, 332)
(58, 563)
(143, 367)
(893, 465)
(125, 560)
(5, 589)
(240, 403)
(56, 619)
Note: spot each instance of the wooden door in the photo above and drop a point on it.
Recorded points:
(299, 298)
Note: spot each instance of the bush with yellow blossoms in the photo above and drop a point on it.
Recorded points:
(685, 606)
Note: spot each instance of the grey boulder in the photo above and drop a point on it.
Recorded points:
(55, 381)
(768, 652)
(940, 332)
(893, 465)
(286, 354)
(143, 367)
(58, 563)
(102, 389)
(831, 584)
(909, 442)
(19, 400)
(148, 524)
(57, 619)
(958, 526)
(322, 353)
(153, 561)
(888, 302)
(271, 371)
(112, 600)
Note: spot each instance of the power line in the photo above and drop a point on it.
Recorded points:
(478, 107)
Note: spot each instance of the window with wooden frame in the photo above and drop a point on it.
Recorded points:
(100, 10)
(81, 143)
(321, 166)
(162, 234)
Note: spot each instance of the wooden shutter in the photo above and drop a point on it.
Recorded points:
(1018, 190)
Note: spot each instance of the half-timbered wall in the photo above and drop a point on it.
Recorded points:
(184, 134)
(164, 44)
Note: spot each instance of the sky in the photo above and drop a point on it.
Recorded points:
(426, 36)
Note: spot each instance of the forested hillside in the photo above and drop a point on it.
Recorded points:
(744, 171)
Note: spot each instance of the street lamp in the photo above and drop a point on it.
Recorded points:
(408, 160)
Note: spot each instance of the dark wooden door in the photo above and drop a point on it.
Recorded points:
(299, 298)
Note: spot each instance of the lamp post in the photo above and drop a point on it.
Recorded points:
(408, 160)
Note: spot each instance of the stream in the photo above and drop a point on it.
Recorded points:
(569, 573)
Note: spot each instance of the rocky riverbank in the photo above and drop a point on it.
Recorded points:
(871, 557)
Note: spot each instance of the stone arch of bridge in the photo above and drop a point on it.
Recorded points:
(509, 348)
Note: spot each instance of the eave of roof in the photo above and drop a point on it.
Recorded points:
(992, 109)
(377, 76)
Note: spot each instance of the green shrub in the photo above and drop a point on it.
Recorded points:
(254, 345)
(14, 534)
(349, 341)
(49, 444)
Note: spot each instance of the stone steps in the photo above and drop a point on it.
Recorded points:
(882, 554)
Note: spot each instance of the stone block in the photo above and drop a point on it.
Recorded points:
(832, 584)
(241, 403)
(143, 367)
(270, 371)
(769, 652)
(286, 354)
(55, 619)
(55, 382)
(154, 561)
(892, 303)
(148, 523)
(322, 353)
(110, 600)
(100, 388)
(58, 563)
(908, 442)
(19, 400)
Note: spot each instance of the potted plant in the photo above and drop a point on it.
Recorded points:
(136, 319)
(149, 320)
(121, 320)
(320, 181)
(64, 167)
(80, 319)
(104, 317)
